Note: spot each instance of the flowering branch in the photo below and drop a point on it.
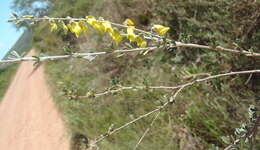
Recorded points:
(78, 26)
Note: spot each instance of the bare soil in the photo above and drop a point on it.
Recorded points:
(29, 119)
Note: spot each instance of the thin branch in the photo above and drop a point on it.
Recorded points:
(178, 44)
(147, 130)
(126, 125)
(218, 48)
(76, 55)
(127, 88)
(171, 100)
(164, 87)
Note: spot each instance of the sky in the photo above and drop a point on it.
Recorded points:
(8, 33)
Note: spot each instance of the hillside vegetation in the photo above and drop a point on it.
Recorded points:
(205, 115)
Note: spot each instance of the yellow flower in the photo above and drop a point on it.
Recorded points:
(130, 34)
(83, 27)
(116, 36)
(53, 26)
(90, 19)
(161, 30)
(129, 22)
(107, 26)
(75, 28)
(141, 42)
(95, 24)
(65, 28)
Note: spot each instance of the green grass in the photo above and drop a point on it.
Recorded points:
(6, 76)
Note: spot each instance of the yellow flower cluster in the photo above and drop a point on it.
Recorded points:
(132, 36)
(78, 27)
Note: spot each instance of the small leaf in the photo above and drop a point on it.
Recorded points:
(14, 15)
(15, 54)
(128, 45)
(90, 58)
(146, 52)
(225, 139)
(120, 55)
(37, 60)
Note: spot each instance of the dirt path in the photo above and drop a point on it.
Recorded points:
(28, 117)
